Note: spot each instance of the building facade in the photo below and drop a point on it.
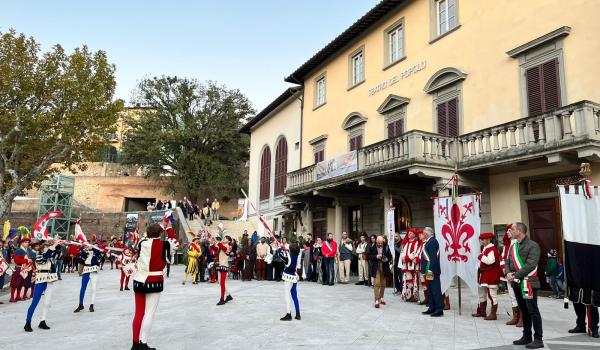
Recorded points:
(275, 135)
(503, 94)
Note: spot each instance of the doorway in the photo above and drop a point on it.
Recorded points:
(544, 229)
(319, 224)
(355, 222)
(137, 204)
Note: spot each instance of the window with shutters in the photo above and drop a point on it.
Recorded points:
(355, 142)
(395, 128)
(319, 156)
(281, 153)
(543, 87)
(447, 118)
(265, 174)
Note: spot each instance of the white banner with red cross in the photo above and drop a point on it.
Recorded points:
(457, 227)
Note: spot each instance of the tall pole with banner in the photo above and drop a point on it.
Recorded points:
(391, 230)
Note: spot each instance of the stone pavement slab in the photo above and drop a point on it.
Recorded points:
(337, 317)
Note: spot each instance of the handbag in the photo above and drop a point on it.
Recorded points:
(269, 257)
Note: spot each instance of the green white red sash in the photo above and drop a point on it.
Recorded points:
(525, 284)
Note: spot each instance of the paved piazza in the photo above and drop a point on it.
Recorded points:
(338, 317)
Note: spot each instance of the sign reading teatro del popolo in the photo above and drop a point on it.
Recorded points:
(396, 78)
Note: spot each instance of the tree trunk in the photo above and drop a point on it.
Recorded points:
(5, 206)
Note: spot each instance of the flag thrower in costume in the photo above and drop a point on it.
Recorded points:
(40, 230)
(262, 220)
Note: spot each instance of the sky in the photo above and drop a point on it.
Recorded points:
(251, 45)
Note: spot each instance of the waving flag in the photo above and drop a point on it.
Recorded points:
(39, 229)
(79, 235)
(168, 218)
(135, 236)
(24, 232)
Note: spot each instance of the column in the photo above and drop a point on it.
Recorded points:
(308, 221)
(337, 234)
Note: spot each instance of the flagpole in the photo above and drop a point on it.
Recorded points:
(459, 298)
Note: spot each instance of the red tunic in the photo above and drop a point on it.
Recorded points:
(490, 272)
(151, 262)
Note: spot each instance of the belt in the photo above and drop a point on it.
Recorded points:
(155, 273)
(44, 271)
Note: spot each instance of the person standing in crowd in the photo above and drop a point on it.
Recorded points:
(224, 249)
(344, 256)
(278, 263)
(306, 261)
(5, 260)
(553, 268)
(522, 264)
(206, 214)
(363, 264)
(57, 258)
(507, 242)
(489, 277)
(379, 258)
(22, 262)
(430, 268)
(329, 251)
(397, 270)
(249, 261)
(193, 253)
(45, 276)
(318, 266)
(215, 206)
(148, 283)
(159, 205)
(262, 249)
(408, 258)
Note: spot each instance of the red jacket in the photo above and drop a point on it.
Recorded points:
(327, 252)
(489, 266)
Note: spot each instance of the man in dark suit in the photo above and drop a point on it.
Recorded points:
(430, 267)
(380, 257)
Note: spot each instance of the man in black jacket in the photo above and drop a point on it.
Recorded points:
(521, 266)
(379, 259)
(397, 270)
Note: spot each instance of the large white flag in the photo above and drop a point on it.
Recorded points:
(391, 229)
(457, 227)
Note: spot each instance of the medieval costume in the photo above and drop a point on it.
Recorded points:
(90, 258)
(290, 278)
(489, 277)
(223, 268)
(408, 260)
(249, 261)
(148, 283)
(173, 243)
(127, 262)
(21, 278)
(194, 252)
(45, 276)
(507, 242)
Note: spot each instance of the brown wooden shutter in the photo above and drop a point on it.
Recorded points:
(280, 166)
(359, 142)
(265, 174)
(535, 103)
(391, 127)
(399, 127)
(551, 87)
(452, 117)
(442, 112)
(352, 143)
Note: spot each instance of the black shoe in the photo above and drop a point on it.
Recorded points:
(359, 283)
(43, 325)
(331, 284)
(127, 288)
(595, 334)
(287, 317)
(523, 341)
(437, 314)
(577, 329)
(142, 346)
(135, 346)
(221, 302)
(535, 344)
(91, 307)
(229, 298)
(427, 312)
(121, 289)
(79, 308)
(27, 327)
(298, 316)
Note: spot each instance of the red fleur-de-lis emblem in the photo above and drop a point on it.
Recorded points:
(456, 232)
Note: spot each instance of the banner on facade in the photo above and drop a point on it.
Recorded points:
(131, 223)
(580, 209)
(338, 166)
(391, 229)
(155, 217)
(457, 228)
(242, 210)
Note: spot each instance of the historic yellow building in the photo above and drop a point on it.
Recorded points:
(502, 93)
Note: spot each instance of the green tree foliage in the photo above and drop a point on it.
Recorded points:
(186, 135)
(55, 110)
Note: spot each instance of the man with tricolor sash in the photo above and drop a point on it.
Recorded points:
(521, 266)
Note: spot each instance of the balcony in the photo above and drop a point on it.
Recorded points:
(574, 129)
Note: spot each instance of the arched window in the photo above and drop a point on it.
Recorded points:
(265, 174)
(280, 166)
(445, 86)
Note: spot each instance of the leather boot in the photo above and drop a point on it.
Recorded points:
(446, 302)
(520, 321)
(481, 310)
(492, 316)
(515, 317)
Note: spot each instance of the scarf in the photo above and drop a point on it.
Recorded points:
(525, 284)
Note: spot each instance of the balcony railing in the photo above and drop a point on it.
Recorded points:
(572, 128)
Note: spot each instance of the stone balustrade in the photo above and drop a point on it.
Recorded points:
(575, 127)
